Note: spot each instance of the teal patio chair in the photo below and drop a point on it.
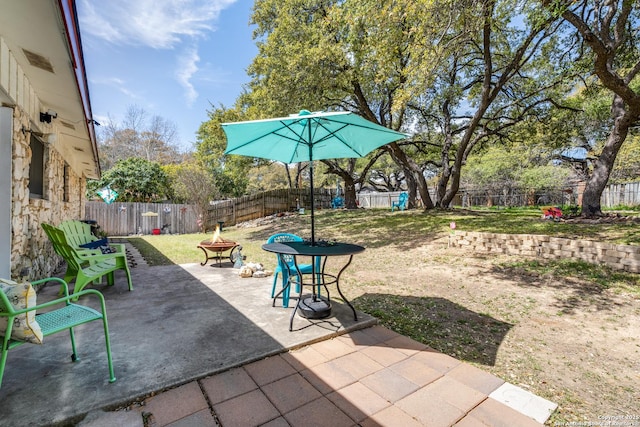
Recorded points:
(281, 268)
(401, 203)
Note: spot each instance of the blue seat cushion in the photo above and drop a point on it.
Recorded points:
(96, 244)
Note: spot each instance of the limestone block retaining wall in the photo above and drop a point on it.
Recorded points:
(619, 257)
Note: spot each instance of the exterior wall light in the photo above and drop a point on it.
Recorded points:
(46, 117)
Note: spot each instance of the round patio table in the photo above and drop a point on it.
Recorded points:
(314, 306)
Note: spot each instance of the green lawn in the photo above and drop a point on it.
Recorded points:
(373, 226)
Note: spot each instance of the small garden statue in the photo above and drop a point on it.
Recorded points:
(238, 263)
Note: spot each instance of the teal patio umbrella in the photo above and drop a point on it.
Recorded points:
(107, 194)
(307, 136)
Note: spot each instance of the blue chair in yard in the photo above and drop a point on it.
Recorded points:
(401, 203)
(337, 203)
(282, 269)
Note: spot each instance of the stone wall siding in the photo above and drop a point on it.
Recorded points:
(619, 257)
(32, 255)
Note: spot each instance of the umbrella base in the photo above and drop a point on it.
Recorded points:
(314, 307)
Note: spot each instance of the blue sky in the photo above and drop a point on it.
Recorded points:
(172, 58)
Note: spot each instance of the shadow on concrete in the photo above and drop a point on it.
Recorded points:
(180, 323)
(152, 255)
(440, 324)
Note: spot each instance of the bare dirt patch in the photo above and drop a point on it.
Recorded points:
(565, 336)
(565, 339)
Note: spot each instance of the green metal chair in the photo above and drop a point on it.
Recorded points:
(68, 316)
(88, 265)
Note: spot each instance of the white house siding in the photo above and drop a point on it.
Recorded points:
(31, 254)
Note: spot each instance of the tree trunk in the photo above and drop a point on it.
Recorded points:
(350, 194)
(413, 174)
(605, 34)
(424, 191)
(531, 197)
(299, 168)
(288, 172)
(348, 180)
(603, 165)
(449, 181)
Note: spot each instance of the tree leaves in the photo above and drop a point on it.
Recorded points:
(136, 180)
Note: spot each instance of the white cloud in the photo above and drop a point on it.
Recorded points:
(118, 84)
(187, 67)
(160, 24)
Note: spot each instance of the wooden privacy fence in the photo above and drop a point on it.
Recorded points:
(124, 219)
(621, 195)
(264, 204)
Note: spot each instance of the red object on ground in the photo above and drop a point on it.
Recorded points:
(552, 212)
(155, 231)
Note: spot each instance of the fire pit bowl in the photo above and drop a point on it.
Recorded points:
(216, 250)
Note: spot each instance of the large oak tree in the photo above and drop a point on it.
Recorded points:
(609, 33)
(456, 73)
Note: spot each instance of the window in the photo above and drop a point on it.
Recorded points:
(65, 185)
(37, 169)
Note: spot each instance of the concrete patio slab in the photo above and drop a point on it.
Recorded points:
(524, 402)
(179, 324)
(199, 346)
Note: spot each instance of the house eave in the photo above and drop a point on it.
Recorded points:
(43, 39)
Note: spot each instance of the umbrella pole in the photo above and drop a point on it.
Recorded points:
(313, 230)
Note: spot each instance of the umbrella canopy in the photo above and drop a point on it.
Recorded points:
(305, 137)
(107, 194)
